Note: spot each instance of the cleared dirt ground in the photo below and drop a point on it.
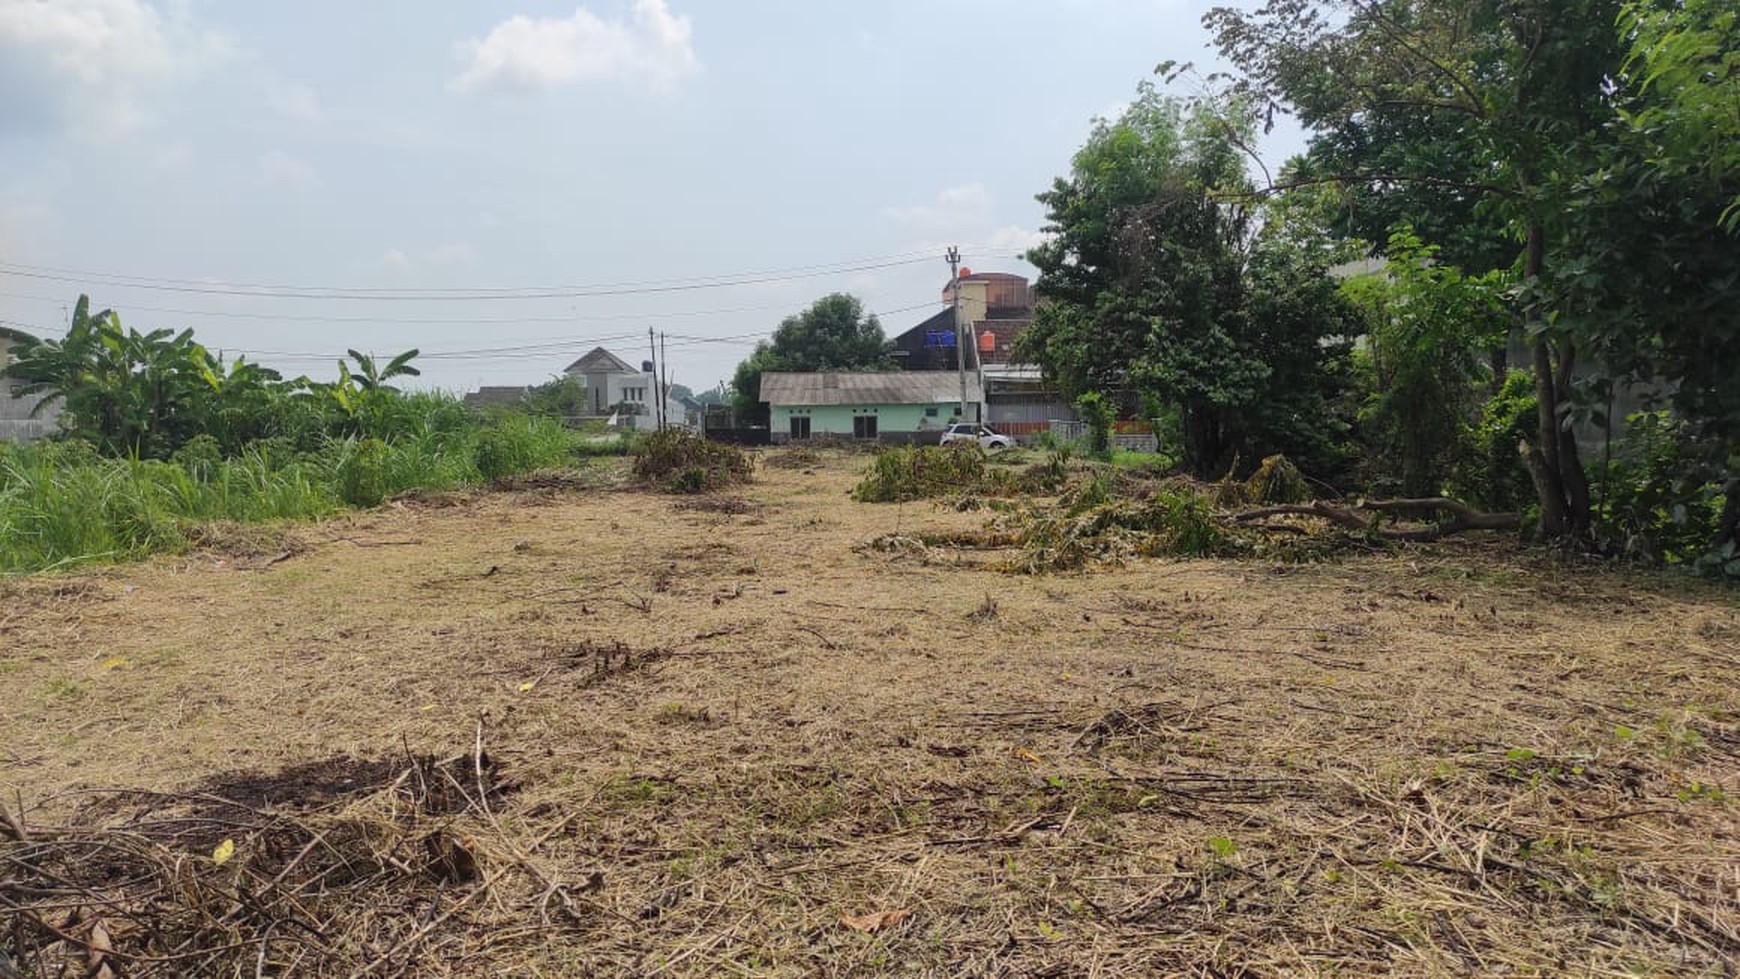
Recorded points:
(722, 736)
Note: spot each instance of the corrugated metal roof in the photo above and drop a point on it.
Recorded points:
(867, 388)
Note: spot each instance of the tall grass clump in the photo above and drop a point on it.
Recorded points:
(517, 443)
(62, 504)
(161, 435)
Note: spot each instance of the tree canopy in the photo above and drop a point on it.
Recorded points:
(833, 334)
(148, 394)
(1159, 283)
(1496, 129)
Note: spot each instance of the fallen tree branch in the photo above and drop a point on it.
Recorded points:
(1363, 517)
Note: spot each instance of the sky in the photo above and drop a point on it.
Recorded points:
(506, 185)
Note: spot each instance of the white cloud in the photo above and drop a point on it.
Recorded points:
(1113, 111)
(284, 170)
(967, 216)
(174, 156)
(298, 102)
(651, 46)
(24, 217)
(455, 253)
(968, 203)
(93, 65)
(1014, 238)
(443, 256)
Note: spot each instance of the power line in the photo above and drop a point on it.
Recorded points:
(651, 287)
(421, 320)
(531, 351)
(820, 268)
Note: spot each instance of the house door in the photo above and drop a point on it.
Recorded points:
(800, 427)
(864, 426)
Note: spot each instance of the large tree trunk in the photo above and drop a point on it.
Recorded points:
(1571, 473)
(1559, 481)
(1728, 526)
(1548, 486)
(1202, 442)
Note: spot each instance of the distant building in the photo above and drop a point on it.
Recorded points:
(997, 307)
(22, 418)
(613, 386)
(888, 406)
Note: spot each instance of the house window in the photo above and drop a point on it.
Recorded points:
(800, 427)
(930, 412)
(864, 427)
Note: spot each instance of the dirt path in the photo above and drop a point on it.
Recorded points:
(1438, 762)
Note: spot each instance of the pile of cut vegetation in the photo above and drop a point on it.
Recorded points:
(923, 472)
(676, 461)
(1106, 516)
(336, 867)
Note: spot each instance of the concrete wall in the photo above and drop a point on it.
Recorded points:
(894, 423)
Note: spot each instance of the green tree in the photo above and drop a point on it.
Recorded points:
(1683, 63)
(1645, 252)
(1489, 104)
(130, 393)
(1157, 280)
(1427, 326)
(559, 397)
(834, 334)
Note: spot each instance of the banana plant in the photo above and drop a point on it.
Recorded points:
(370, 377)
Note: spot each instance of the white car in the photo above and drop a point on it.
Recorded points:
(969, 432)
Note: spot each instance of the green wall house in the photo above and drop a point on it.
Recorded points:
(888, 406)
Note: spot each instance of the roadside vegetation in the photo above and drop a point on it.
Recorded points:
(1553, 205)
(163, 437)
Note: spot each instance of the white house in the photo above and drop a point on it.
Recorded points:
(21, 418)
(613, 385)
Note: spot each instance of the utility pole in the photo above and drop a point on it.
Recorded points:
(664, 380)
(954, 259)
(653, 346)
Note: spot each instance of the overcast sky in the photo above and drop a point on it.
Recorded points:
(163, 155)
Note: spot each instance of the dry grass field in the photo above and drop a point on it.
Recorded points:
(569, 731)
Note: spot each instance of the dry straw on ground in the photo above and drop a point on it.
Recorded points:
(605, 735)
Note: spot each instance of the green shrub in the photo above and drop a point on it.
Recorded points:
(200, 456)
(518, 443)
(64, 503)
(1492, 475)
(1098, 412)
(1658, 501)
(362, 477)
